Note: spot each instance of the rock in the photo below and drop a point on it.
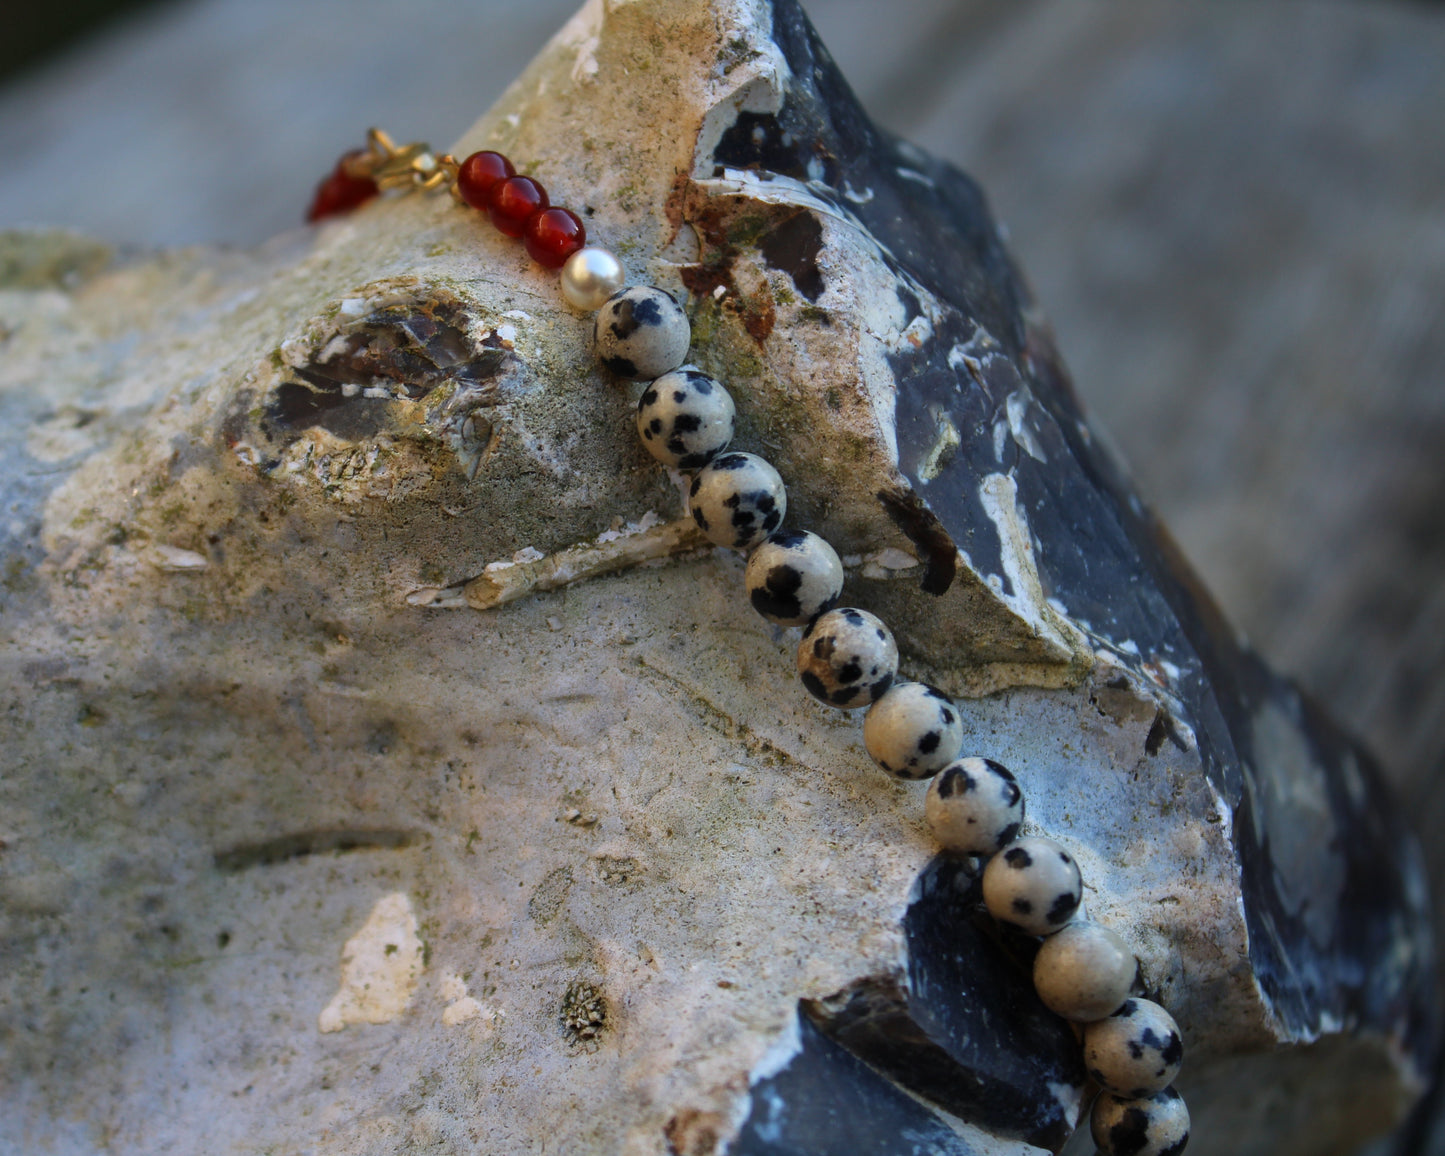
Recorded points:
(324, 597)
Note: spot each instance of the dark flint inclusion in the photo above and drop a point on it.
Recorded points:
(1315, 956)
(827, 1101)
(939, 1034)
(407, 350)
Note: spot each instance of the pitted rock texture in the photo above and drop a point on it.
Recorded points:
(245, 699)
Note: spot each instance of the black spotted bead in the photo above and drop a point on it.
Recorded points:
(685, 418)
(913, 731)
(974, 807)
(1156, 1125)
(1136, 1051)
(793, 577)
(1034, 884)
(737, 500)
(641, 332)
(847, 658)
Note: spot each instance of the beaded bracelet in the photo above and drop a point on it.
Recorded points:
(847, 658)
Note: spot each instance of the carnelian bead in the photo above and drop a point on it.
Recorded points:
(341, 192)
(553, 235)
(512, 201)
(478, 173)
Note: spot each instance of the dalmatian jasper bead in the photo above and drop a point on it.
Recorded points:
(641, 332)
(913, 731)
(793, 577)
(685, 418)
(1156, 1125)
(1033, 884)
(974, 807)
(847, 658)
(1136, 1051)
(737, 500)
(1084, 972)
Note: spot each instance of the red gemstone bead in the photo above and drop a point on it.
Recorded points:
(553, 235)
(513, 201)
(478, 173)
(341, 192)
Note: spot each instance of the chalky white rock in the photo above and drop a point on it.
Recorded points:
(1084, 971)
(1034, 884)
(641, 332)
(685, 418)
(793, 577)
(737, 500)
(974, 807)
(1156, 1125)
(847, 658)
(913, 731)
(1136, 1051)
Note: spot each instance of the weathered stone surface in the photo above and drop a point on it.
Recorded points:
(249, 708)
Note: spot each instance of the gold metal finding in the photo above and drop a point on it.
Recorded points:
(408, 166)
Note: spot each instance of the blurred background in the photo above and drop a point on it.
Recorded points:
(1234, 215)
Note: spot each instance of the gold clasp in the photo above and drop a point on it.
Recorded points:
(408, 166)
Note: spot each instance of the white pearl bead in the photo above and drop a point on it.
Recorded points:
(590, 276)
(1084, 972)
